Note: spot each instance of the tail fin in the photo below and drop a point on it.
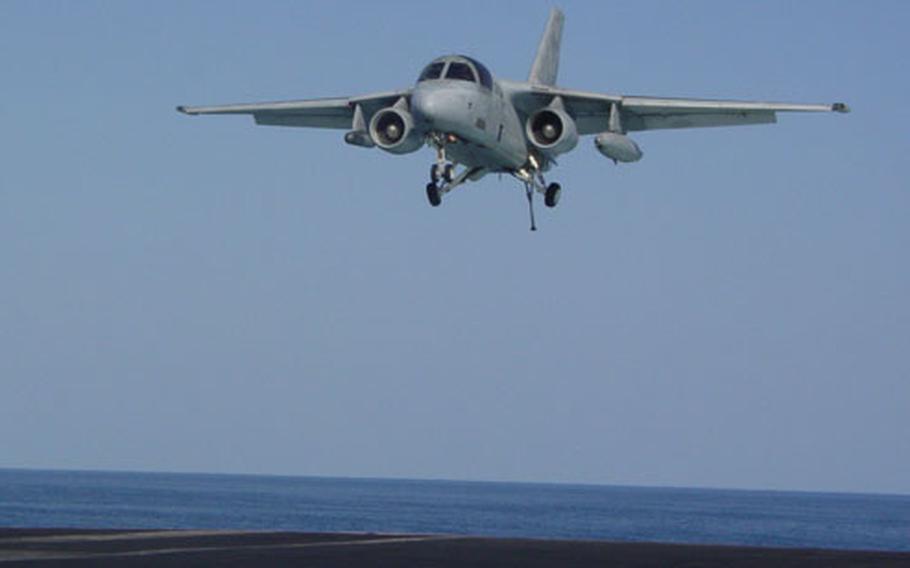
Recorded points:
(546, 64)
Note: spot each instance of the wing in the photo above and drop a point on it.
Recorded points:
(592, 110)
(651, 113)
(314, 113)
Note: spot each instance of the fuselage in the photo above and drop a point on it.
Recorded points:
(457, 97)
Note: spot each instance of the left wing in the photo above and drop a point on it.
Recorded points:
(651, 113)
(591, 111)
(315, 113)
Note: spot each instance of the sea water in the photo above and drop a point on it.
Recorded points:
(79, 499)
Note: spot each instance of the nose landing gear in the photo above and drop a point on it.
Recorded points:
(439, 172)
(442, 170)
(443, 178)
(433, 194)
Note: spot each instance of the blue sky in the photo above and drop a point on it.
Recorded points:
(201, 294)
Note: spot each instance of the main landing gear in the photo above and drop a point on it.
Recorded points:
(551, 195)
(533, 181)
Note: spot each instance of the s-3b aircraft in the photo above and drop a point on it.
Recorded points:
(478, 124)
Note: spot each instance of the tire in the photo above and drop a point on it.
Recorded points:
(433, 195)
(448, 173)
(551, 196)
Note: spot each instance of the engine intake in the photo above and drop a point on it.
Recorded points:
(552, 131)
(392, 129)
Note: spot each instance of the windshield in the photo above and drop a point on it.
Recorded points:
(433, 71)
(485, 78)
(461, 72)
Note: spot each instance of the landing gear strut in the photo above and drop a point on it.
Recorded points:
(444, 171)
(533, 181)
(443, 178)
(529, 191)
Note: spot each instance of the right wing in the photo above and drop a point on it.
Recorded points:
(315, 113)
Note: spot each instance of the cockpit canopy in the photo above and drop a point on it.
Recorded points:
(457, 68)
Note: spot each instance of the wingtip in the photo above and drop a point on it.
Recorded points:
(840, 107)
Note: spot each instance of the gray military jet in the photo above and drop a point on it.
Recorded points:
(487, 125)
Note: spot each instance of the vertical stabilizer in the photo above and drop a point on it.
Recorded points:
(546, 64)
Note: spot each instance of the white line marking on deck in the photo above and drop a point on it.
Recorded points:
(38, 555)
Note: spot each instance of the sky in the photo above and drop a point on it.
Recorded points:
(200, 294)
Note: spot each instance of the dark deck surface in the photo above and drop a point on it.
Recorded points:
(63, 547)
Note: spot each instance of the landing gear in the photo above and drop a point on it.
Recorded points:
(443, 178)
(441, 175)
(447, 181)
(433, 194)
(551, 195)
(529, 191)
(444, 171)
(533, 181)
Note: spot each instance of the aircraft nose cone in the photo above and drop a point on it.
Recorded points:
(441, 109)
(426, 105)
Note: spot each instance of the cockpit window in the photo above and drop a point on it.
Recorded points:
(461, 72)
(433, 71)
(485, 78)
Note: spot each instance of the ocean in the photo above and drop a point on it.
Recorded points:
(81, 499)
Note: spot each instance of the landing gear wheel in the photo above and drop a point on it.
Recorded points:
(434, 173)
(551, 196)
(433, 195)
(448, 173)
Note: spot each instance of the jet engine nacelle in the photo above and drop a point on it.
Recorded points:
(617, 147)
(392, 129)
(552, 131)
